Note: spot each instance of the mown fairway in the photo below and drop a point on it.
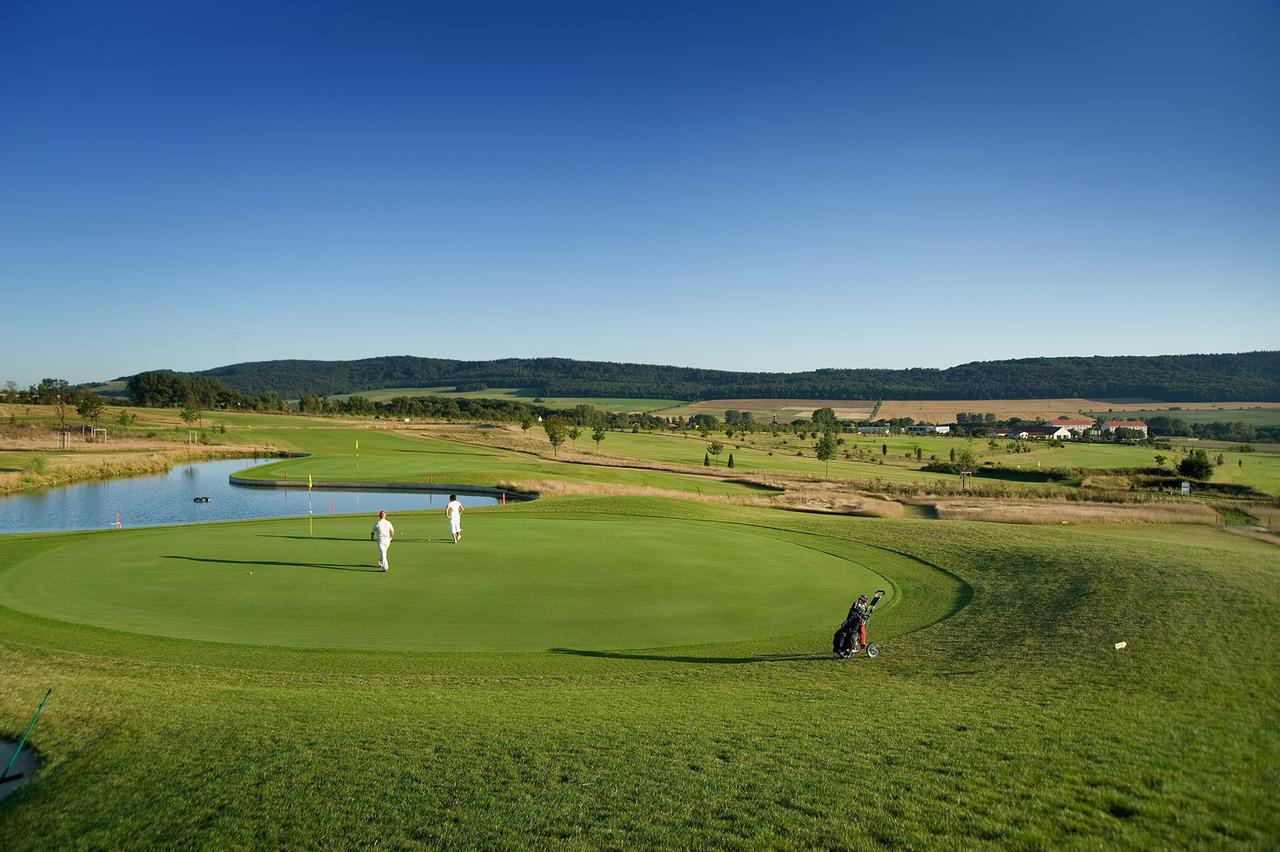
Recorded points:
(402, 456)
(998, 713)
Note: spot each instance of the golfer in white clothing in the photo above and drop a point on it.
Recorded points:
(454, 513)
(382, 533)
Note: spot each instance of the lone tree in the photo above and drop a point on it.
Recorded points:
(1197, 465)
(825, 449)
(884, 449)
(965, 463)
(574, 434)
(825, 419)
(191, 411)
(715, 448)
(526, 423)
(706, 460)
(598, 435)
(556, 432)
(90, 406)
(730, 459)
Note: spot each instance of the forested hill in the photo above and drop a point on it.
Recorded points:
(1250, 376)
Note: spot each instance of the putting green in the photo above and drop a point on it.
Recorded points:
(517, 582)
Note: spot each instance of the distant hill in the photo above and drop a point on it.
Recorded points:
(1249, 376)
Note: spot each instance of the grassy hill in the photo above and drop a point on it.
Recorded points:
(999, 712)
(1252, 376)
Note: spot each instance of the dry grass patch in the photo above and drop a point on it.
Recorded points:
(27, 471)
(1071, 512)
(945, 410)
(828, 501)
(784, 409)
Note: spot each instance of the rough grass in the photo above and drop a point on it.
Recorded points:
(25, 470)
(785, 410)
(999, 714)
(1074, 512)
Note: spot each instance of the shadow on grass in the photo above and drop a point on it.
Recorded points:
(716, 661)
(360, 568)
(353, 538)
(449, 453)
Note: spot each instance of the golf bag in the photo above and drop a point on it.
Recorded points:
(852, 633)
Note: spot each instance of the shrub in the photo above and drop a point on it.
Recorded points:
(1197, 465)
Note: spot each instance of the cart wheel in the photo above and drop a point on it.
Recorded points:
(873, 650)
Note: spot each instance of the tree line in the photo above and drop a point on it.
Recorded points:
(1250, 376)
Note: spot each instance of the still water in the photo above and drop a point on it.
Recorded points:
(148, 501)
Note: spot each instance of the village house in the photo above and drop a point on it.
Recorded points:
(873, 430)
(927, 429)
(1078, 425)
(1060, 433)
(1136, 425)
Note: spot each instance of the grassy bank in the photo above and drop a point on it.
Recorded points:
(999, 712)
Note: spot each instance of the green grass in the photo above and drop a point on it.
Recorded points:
(1260, 470)
(998, 714)
(402, 456)
(763, 454)
(592, 582)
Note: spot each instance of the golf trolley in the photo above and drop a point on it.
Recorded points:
(847, 640)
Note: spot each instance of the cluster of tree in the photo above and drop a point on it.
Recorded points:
(1176, 427)
(167, 389)
(60, 394)
(1244, 376)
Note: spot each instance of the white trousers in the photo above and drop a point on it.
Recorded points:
(383, 544)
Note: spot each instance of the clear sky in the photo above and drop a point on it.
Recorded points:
(740, 185)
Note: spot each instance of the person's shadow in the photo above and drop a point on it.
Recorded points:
(263, 562)
(679, 658)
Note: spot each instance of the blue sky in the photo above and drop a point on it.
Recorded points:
(739, 185)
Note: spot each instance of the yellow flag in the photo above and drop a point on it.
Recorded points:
(308, 482)
(357, 445)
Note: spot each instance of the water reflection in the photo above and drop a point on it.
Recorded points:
(170, 499)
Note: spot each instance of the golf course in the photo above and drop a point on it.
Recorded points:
(620, 671)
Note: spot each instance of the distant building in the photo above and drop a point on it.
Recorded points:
(1049, 433)
(1078, 425)
(927, 429)
(873, 430)
(1136, 425)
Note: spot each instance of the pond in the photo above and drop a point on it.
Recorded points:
(148, 501)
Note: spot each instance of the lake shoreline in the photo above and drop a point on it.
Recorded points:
(154, 462)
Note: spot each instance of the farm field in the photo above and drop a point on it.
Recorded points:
(527, 395)
(595, 733)
(786, 410)
(945, 410)
(1265, 414)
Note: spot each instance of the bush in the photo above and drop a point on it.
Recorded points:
(1196, 466)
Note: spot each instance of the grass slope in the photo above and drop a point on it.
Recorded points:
(402, 456)
(998, 714)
